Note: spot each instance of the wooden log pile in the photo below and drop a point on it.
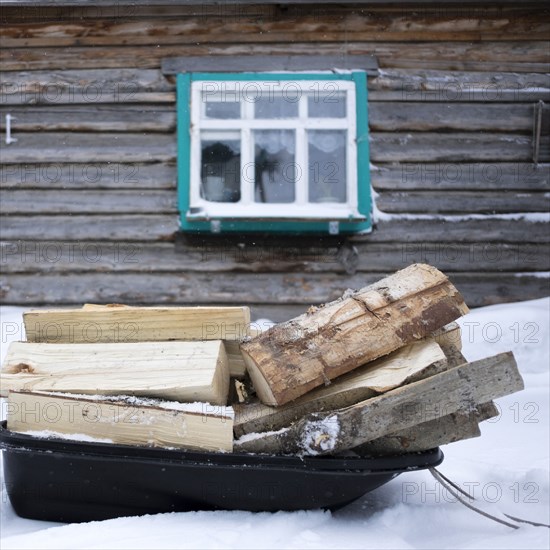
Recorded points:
(377, 372)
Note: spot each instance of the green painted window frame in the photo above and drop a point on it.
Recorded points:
(227, 225)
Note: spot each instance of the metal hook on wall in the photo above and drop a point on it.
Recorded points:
(9, 139)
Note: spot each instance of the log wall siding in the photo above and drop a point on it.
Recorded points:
(89, 210)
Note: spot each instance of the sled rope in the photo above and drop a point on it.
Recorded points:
(519, 520)
(456, 494)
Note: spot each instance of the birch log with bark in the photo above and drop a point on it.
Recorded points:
(292, 358)
(404, 365)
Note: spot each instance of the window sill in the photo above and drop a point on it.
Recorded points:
(307, 213)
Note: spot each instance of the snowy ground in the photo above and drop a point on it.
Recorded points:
(507, 470)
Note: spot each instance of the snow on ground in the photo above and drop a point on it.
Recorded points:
(507, 470)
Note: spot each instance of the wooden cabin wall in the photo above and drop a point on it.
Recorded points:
(89, 209)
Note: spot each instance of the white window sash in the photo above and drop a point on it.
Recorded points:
(246, 207)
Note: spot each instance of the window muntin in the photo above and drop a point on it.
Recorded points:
(295, 142)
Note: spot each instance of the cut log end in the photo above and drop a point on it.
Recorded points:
(258, 380)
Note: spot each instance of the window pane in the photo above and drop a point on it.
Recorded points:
(275, 106)
(222, 109)
(327, 105)
(274, 165)
(221, 169)
(327, 165)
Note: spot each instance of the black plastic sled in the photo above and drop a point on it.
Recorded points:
(73, 481)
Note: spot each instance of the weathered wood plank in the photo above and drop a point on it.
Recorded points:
(423, 116)
(60, 256)
(15, 201)
(85, 86)
(128, 227)
(493, 289)
(454, 147)
(182, 371)
(51, 96)
(119, 118)
(462, 202)
(76, 11)
(461, 176)
(449, 256)
(458, 86)
(259, 63)
(128, 85)
(114, 82)
(459, 229)
(63, 10)
(385, 147)
(429, 81)
(434, 433)
(315, 27)
(98, 175)
(454, 390)
(493, 56)
(153, 227)
(528, 96)
(383, 116)
(240, 288)
(508, 66)
(82, 147)
(93, 256)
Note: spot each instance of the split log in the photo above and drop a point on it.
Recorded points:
(237, 368)
(458, 389)
(133, 324)
(183, 371)
(400, 367)
(449, 336)
(434, 433)
(292, 358)
(125, 421)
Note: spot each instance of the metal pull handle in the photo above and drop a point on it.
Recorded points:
(9, 139)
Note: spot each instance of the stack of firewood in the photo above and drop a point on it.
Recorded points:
(378, 371)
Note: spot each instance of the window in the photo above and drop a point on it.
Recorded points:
(273, 152)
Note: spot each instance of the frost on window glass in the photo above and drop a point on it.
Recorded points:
(327, 165)
(221, 167)
(274, 166)
(275, 106)
(327, 105)
(222, 109)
